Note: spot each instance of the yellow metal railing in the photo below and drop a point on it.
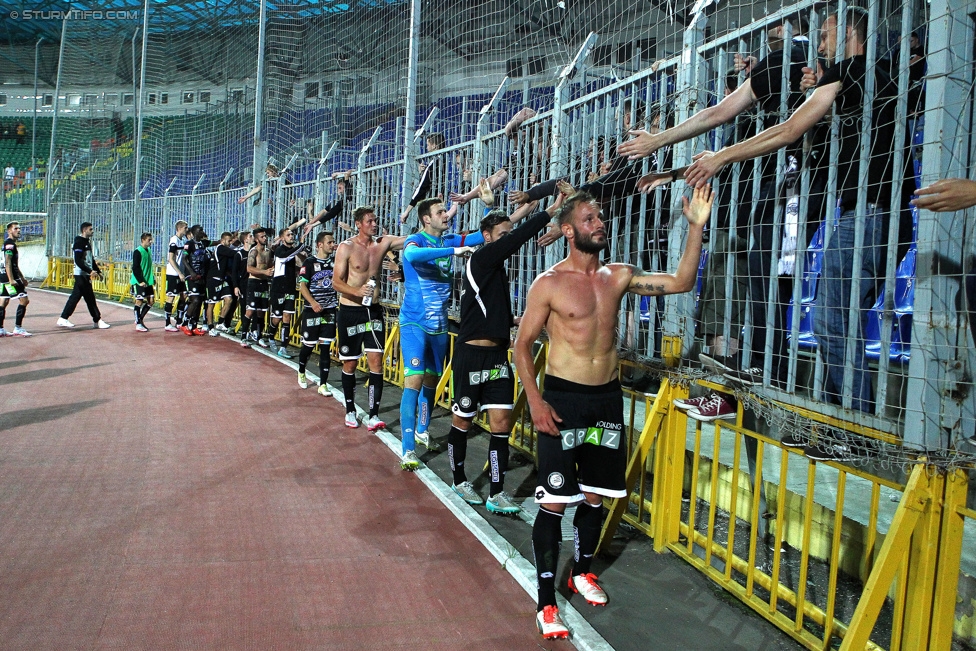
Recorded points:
(786, 535)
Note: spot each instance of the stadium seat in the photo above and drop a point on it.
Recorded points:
(806, 339)
(813, 265)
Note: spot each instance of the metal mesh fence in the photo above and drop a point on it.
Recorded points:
(820, 286)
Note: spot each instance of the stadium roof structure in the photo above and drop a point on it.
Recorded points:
(26, 22)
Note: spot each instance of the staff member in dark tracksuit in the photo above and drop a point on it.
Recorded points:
(86, 270)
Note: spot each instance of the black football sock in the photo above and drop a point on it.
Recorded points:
(245, 326)
(325, 361)
(168, 311)
(137, 309)
(497, 461)
(303, 356)
(457, 450)
(285, 333)
(546, 536)
(143, 312)
(586, 529)
(349, 391)
(19, 318)
(375, 393)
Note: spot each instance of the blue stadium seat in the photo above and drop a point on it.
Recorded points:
(806, 339)
(813, 266)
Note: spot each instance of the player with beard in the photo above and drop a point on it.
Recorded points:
(317, 322)
(579, 420)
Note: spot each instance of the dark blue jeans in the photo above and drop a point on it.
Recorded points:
(834, 301)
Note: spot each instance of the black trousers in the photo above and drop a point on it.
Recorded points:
(83, 289)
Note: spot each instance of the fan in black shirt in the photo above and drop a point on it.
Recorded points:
(841, 88)
(482, 374)
(762, 89)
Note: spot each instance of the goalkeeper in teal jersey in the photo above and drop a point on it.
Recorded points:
(427, 267)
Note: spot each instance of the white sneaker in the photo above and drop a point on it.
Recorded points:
(101, 325)
(586, 585)
(262, 342)
(4, 333)
(423, 438)
(550, 624)
(20, 332)
(351, 420)
(302, 381)
(64, 323)
(171, 328)
(220, 327)
(141, 328)
(213, 333)
(324, 390)
(205, 328)
(374, 423)
(466, 492)
(410, 461)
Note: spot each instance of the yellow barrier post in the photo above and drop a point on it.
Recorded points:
(915, 502)
(635, 465)
(949, 561)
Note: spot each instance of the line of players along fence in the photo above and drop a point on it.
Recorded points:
(870, 553)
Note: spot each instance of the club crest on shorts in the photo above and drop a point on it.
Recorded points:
(465, 402)
(556, 480)
(345, 349)
(414, 362)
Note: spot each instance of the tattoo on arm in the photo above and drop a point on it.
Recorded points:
(649, 287)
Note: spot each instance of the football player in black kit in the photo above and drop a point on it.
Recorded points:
(220, 263)
(12, 282)
(195, 265)
(238, 279)
(285, 253)
(317, 323)
(482, 374)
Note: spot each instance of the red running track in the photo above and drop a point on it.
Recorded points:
(168, 492)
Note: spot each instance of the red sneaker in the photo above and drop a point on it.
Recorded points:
(186, 331)
(691, 403)
(198, 332)
(716, 408)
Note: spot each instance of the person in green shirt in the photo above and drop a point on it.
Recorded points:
(143, 281)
